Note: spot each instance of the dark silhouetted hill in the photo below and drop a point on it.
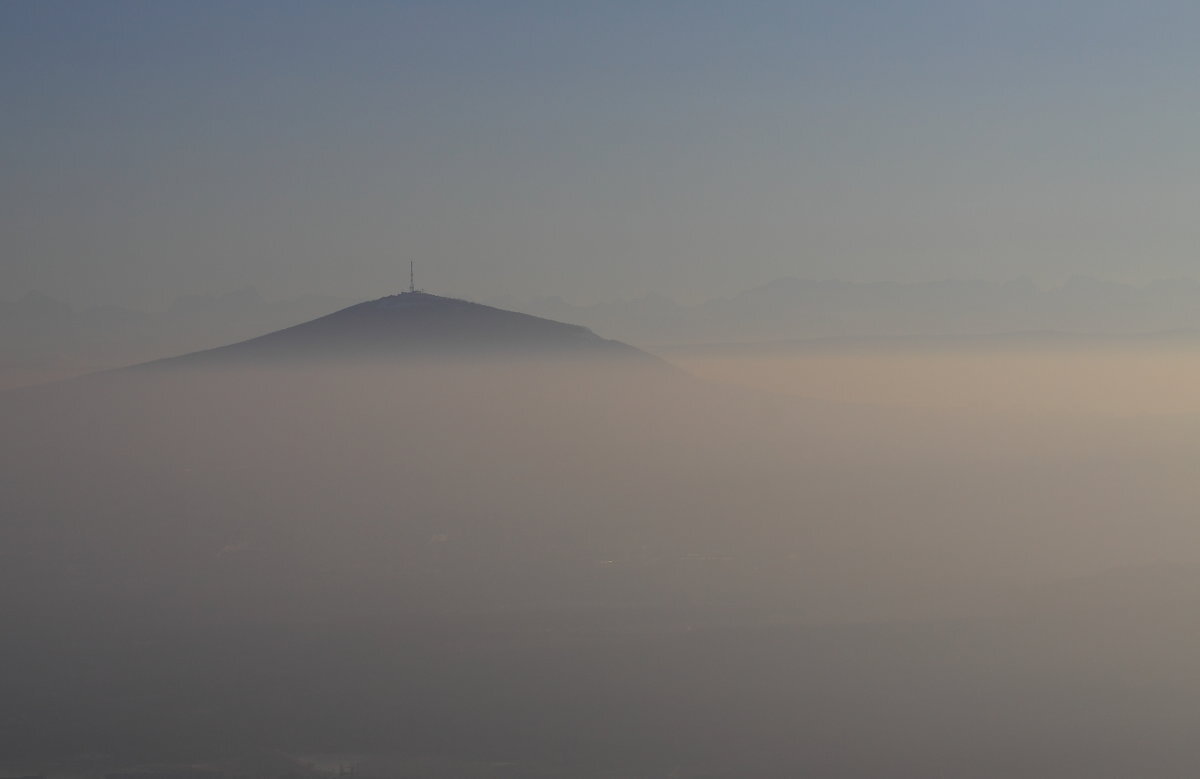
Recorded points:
(415, 324)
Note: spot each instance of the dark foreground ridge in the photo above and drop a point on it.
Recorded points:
(414, 324)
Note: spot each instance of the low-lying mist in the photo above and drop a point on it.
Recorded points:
(972, 561)
(1030, 373)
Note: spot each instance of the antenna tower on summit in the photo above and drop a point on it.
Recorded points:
(412, 283)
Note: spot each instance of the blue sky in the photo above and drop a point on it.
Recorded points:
(591, 149)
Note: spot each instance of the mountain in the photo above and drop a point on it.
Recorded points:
(414, 324)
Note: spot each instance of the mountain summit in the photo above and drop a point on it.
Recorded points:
(416, 324)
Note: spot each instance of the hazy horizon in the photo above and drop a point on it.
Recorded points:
(44, 338)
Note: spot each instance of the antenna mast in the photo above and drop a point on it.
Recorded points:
(412, 285)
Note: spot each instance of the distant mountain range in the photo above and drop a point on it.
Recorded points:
(42, 338)
(791, 308)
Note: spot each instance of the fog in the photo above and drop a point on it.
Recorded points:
(838, 559)
(1035, 373)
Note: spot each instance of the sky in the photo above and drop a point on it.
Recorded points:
(592, 150)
